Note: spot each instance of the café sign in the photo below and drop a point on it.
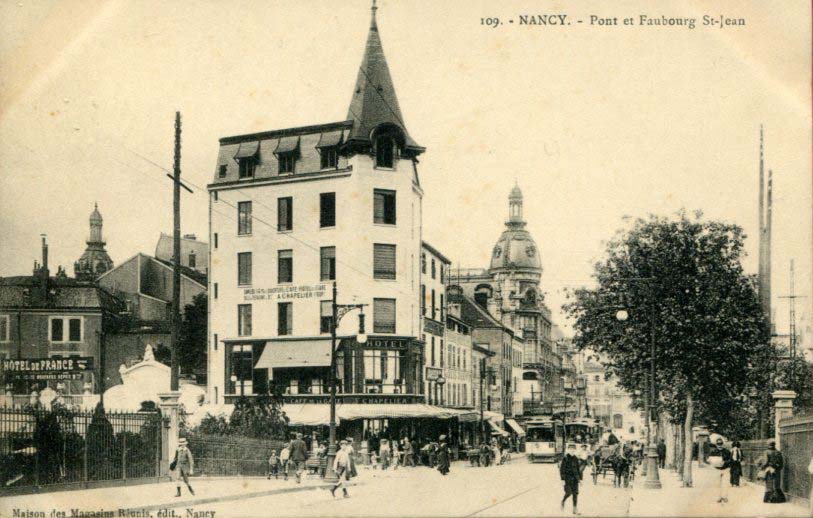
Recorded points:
(312, 291)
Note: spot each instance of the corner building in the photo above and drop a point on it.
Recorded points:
(292, 211)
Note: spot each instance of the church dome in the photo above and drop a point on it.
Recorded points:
(515, 249)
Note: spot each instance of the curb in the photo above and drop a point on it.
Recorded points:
(226, 498)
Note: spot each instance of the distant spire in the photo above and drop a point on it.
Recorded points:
(373, 24)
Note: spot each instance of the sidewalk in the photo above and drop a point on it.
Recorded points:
(152, 497)
(701, 499)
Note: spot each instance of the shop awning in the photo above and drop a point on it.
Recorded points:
(497, 429)
(394, 411)
(493, 416)
(516, 427)
(287, 145)
(247, 149)
(467, 416)
(308, 414)
(330, 139)
(295, 353)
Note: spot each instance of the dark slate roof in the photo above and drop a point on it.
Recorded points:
(374, 101)
(475, 315)
(16, 292)
(195, 275)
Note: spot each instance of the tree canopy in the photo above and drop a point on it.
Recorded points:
(682, 280)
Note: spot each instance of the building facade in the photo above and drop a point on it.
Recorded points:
(510, 290)
(194, 253)
(460, 371)
(291, 212)
(610, 404)
(434, 270)
(53, 332)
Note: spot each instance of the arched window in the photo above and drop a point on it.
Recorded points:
(384, 151)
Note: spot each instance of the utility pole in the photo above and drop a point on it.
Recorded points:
(176, 254)
(792, 336)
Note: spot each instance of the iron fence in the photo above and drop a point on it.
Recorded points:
(216, 455)
(752, 453)
(796, 442)
(47, 447)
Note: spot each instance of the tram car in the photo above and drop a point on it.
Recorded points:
(544, 439)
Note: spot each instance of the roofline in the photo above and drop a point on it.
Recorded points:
(196, 240)
(436, 252)
(299, 130)
(157, 261)
(483, 350)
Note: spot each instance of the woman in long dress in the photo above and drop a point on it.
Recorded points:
(736, 464)
(772, 463)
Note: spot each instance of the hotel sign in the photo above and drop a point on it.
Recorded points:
(313, 291)
(44, 369)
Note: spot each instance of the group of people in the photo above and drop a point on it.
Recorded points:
(730, 462)
(292, 457)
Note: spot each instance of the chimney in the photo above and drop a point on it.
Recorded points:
(44, 274)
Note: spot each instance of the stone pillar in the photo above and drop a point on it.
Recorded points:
(783, 407)
(169, 410)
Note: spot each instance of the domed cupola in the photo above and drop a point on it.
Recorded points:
(516, 249)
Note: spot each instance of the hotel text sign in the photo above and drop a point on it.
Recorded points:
(285, 292)
(48, 368)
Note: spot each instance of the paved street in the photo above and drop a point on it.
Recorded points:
(517, 489)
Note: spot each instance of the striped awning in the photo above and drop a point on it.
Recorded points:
(294, 353)
(287, 145)
(330, 139)
(497, 429)
(516, 427)
(248, 149)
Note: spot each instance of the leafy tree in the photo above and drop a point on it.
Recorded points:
(192, 337)
(261, 417)
(680, 279)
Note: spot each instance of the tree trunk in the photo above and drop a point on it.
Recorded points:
(678, 433)
(687, 442)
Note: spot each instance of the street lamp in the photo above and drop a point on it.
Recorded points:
(440, 382)
(651, 466)
(338, 311)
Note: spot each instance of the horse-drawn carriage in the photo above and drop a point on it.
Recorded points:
(613, 459)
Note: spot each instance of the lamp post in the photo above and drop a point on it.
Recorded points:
(652, 479)
(338, 311)
(440, 382)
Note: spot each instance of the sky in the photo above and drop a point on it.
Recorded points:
(594, 123)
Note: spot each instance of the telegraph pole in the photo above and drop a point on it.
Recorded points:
(176, 253)
(792, 337)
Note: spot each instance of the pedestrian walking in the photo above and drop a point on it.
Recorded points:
(409, 453)
(351, 452)
(273, 465)
(584, 455)
(661, 454)
(736, 464)
(384, 454)
(183, 465)
(444, 456)
(495, 450)
(396, 455)
(341, 466)
(299, 454)
(772, 464)
(720, 458)
(284, 460)
(571, 475)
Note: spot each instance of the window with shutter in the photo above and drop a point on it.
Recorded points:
(285, 317)
(383, 261)
(75, 330)
(57, 333)
(244, 268)
(327, 209)
(285, 214)
(383, 315)
(244, 320)
(325, 315)
(285, 266)
(384, 207)
(327, 255)
(243, 218)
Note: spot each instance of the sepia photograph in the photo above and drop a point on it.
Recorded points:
(406, 258)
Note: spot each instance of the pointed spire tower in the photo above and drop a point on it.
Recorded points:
(374, 107)
(95, 260)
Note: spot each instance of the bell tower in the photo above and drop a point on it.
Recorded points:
(95, 260)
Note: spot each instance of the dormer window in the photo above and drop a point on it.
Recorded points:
(247, 156)
(330, 157)
(384, 151)
(287, 153)
(221, 171)
(192, 259)
(328, 147)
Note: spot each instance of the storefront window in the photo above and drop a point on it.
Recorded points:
(382, 372)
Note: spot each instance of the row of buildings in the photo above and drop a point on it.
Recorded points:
(293, 213)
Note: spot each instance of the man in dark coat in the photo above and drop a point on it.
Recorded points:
(444, 456)
(612, 439)
(299, 454)
(772, 463)
(571, 474)
(661, 454)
